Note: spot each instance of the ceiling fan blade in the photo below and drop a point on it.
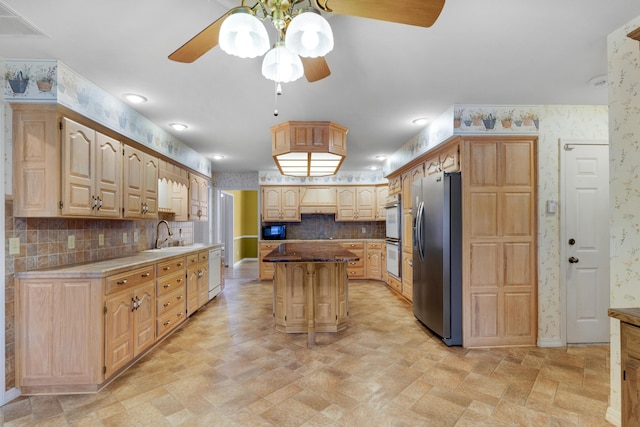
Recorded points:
(315, 68)
(422, 13)
(200, 44)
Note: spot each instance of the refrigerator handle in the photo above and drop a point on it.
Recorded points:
(419, 238)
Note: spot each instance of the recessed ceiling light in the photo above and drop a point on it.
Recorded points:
(134, 98)
(218, 157)
(374, 168)
(420, 121)
(381, 157)
(178, 126)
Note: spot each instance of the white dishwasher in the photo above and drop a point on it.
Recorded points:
(215, 256)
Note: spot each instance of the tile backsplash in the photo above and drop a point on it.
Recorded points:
(325, 227)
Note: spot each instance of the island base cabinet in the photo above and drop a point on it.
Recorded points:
(58, 333)
(291, 298)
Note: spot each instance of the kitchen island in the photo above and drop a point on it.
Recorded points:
(310, 287)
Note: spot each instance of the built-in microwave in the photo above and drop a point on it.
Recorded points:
(274, 232)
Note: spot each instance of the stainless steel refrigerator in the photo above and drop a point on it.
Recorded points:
(437, 254)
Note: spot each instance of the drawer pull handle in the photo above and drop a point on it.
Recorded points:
(168, 285)
(166, 304)
(180, 314)
(145, 275)
(179, 280)
(122, 282)
(179, 297)
(167, 323)
(179, 264)
(166, 268)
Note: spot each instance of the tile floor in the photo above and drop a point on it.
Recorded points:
(229, 367)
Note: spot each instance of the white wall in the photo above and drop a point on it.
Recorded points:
(624, 198)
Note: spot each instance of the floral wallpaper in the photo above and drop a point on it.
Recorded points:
(624, 190)
(342, 177)
(52, 81)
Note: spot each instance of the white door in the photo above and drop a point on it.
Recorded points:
(585, 249)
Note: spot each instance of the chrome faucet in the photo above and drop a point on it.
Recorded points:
(159, 241)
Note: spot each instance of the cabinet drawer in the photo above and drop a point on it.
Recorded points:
(355, 272)
(355, 264)
(353, 245)
(169, 283)
(203, 256)
(192, 259)
(395, 284)
(630, 336)
(171, 319)
(128, 279)
(374, 245)
(170, 300)
(171, 266)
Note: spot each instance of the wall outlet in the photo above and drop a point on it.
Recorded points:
(14, 246)
(136, 236)
(71, 242)
(364, 230)
(124, 237)
(100, 239)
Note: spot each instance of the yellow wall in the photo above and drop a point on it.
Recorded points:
(245, 224)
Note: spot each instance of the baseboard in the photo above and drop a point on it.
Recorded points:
(550, 342)
(11, 394)
(613, 416)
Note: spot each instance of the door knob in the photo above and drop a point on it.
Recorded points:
(573, 260)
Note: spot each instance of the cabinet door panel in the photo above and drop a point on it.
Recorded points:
(78, 151)
(108, 176)
(133, 182)
(144, 318)
(150, 189)
(118, 327)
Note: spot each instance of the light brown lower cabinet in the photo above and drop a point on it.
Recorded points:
(290, 298)
(75, 334)
(197, 281)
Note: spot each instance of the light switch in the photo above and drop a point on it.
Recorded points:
(71, 242)
(14, 246)
(124, 237)
(136, 236)
(100, 239)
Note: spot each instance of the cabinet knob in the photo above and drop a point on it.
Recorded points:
(122, 282)
(145, 275)
(168, 285)
(166, 304)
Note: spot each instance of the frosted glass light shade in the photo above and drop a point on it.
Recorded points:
(282, 65)
(309, 34)
(243, 35)
(309, 164)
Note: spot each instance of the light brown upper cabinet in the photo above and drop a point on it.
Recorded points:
(62, 167)
(318, 200)
(91, 172)
(382, 192)
(198, 198)
(140, 184)
(281, 204)
(357, 203)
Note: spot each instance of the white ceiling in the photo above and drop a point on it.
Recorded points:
(383, 74)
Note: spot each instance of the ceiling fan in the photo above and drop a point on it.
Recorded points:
(421, 13)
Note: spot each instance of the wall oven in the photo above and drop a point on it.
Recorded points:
(393, 233)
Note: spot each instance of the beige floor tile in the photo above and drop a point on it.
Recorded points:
(227, 366)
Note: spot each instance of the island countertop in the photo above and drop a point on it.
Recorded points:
(310, 252)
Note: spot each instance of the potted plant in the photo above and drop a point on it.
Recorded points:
(507, 119)
(489, 121)
(17, 80)
(45, 81)
(476, 118)
(457, 118)
(527, 119)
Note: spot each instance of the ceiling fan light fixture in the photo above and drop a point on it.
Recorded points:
(309, 34)
(243, 35)
(281, 65)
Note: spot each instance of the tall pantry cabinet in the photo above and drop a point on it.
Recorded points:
(499, 265)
